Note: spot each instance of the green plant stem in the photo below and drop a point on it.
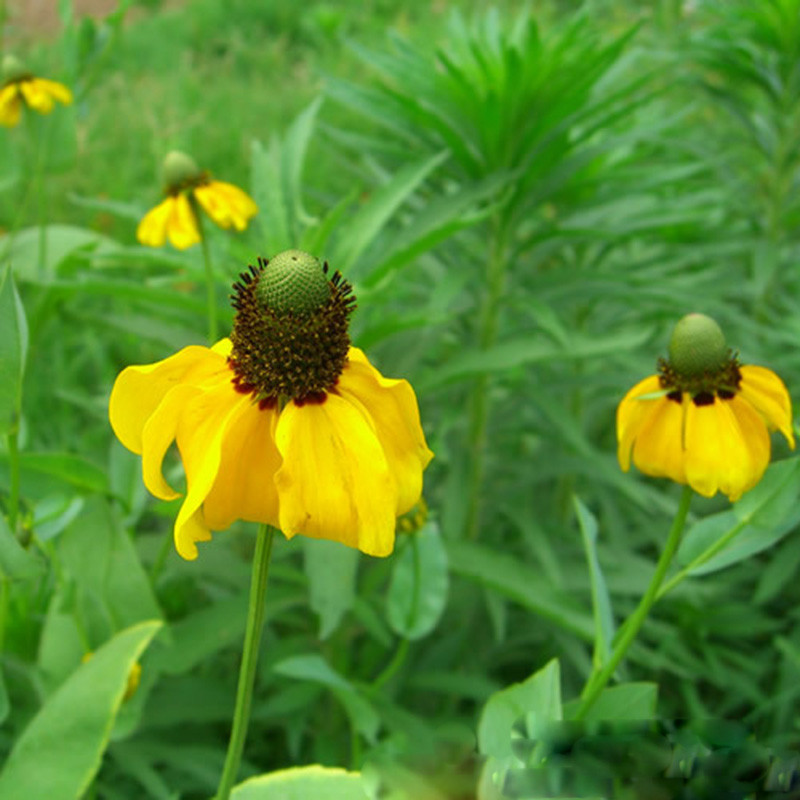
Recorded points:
(247, 671)
(479, 400)
(211, 295)
(391, 668)
(13, 478)
(598, 680)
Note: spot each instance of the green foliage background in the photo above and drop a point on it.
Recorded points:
(526, 198)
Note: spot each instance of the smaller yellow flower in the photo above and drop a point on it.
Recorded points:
(704, 420)
(20, 87)
(188, 189)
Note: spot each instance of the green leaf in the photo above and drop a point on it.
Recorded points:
(69, 468)
(269, 195)
(15, 561)
(601, 600)
(419, 587)
(60, 751)
(331, 571)
(294, 154)
(509, 577)
(314, 668)
(628, 701)
(537, 700)
(379, 209)
(5, 703)
(13, 352)
(303, 783)
(771, 500)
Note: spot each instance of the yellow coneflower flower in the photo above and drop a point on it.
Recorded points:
(704, 420)
(21, 88)
(189, 188)
(284, 423)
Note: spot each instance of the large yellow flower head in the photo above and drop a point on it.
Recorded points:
(188, 189)
(283, 423)
(704, 420)
(21, 88)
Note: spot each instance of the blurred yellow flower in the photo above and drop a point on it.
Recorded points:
(189, 188)
(134, 677)
(704, 420)
(39, 94)
(284, 423)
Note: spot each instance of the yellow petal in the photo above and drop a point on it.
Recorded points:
(727, 447)
(158, 434)
(152, 230)
(766, 392)
(182, 228)
(55, 89)
(658, 447)
(631, 413)
(334, 482)
(245, 487)
(391, 406)
(202, 430)
(226, 204)
(36, 95)
(10, 105)
(138, 390)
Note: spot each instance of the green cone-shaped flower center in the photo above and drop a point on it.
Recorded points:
(13, 69)
(180, 171)
(296, 282)
(697, 346)
(700, 363)
(290, 339)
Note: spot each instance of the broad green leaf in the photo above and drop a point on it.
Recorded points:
(536, 701)
(197, 637)
(100, 556)
(419, 587)
(379, 209)
(511, 578)
(60, 751)
(13, 352)
(771, 500)
(269, 194)
(304, 783)
(69, 468)
(628, 701)
(331, 570)
(294, 155)
(15, 561)
(315, 668)
(5, 703)
(601, 600)
(61, 242)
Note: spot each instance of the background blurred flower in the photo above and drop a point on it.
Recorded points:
(704, 420)
(20, 87)
(187, 187)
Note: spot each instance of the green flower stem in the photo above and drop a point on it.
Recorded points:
(13, 489)
(479, 400)
(211, 295)
(247, 671)
(598, 680)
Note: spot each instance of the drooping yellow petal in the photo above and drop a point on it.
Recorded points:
(182, 228)
(152, 230)
(766, 392)
(334, 482)
(158, 434)
(138, 390)
(727, 447)
(226, 204)
(202, 430)
(631, 413)
(10, 105)
(658, 447)
(55, 89)
(244, 487)
(392, 407)
(36, 95)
